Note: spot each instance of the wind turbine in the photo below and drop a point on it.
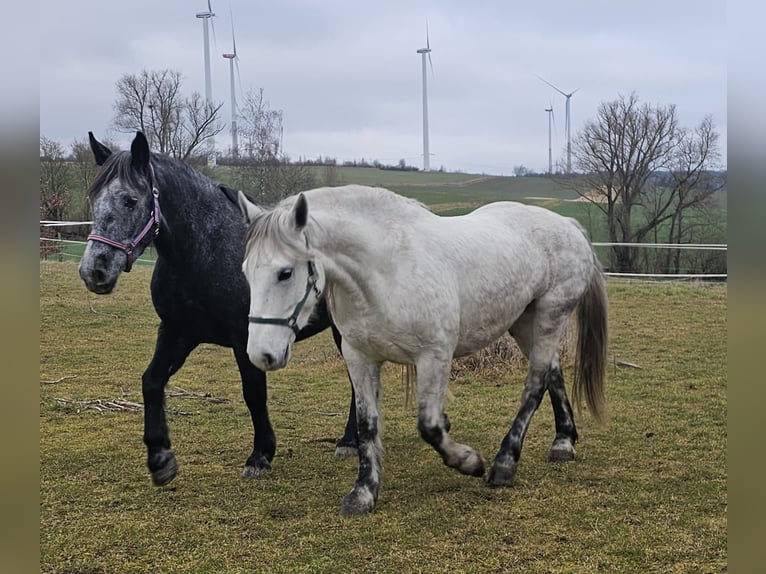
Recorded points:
(550, 150)
(205, 17)
(233, 58)
(568, 124)
(423, 52)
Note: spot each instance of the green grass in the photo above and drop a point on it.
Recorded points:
(647, 493)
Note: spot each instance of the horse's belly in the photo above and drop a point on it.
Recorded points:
(483, 324)
(379, 345)
(477, 339)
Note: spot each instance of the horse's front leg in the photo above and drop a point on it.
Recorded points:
(264, 439)
(348, 443)
(365, 377)
(170, 353)
(433, 424)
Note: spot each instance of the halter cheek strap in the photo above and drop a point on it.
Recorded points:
(292, 320)
(130, 246)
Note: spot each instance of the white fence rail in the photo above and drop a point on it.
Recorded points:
(696, 246)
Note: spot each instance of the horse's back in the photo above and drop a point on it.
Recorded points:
(525, 243)
(500, 258)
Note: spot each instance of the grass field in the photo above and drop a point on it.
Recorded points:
(647, 493)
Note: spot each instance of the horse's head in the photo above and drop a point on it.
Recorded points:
(285, 283)
(125, 210)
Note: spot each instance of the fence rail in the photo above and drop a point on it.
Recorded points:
(50, 246)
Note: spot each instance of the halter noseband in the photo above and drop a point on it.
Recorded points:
(154, 222)
(292, 320)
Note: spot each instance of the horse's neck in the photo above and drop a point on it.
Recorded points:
(187, 207)
(354, 253)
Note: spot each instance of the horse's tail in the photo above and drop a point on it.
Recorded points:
(590, 356)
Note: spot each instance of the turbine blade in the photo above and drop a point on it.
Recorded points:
(428, 43)
(551, 85)
(430, 63)
(233, 38)
(212, 25)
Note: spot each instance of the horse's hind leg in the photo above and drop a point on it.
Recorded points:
(433, 423)
(170, 353)
(538, 335)
(562, 448)
(264, 439)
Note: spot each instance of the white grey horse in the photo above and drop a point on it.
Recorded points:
(408, 286)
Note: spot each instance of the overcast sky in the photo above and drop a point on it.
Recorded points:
(348, 79)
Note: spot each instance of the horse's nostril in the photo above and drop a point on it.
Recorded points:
(268, 359)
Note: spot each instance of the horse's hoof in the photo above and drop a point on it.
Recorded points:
(255, 471)
(472, 465)
(357, 502)
(501, 474)
(345, 451)
(466, 461)
(163, 467)
(256, 466)
(561, 451)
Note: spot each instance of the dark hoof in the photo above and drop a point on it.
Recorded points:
(163, 467)
(501, 474)
(473, 465)
(345, 451)
(358, 501)
(256, 467)
(561, 451)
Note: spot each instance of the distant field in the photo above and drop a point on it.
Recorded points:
(452, 194)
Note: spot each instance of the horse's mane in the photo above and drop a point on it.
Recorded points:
(173, 172)
(117, 165)
(270, 227)
(273, 227)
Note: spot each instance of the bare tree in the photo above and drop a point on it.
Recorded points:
(54, 180)
(642, 170)
(82, 171)
(266, 171)
(692, 184)
(260, 127)
(152, 102)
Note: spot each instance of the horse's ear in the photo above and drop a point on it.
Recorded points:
(100, 151)
(301, 212)
(247, 207)
(139, 153)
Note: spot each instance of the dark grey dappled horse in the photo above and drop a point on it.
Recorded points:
(198, 289)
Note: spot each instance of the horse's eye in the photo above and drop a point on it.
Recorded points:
(285, 274)
(130, 202)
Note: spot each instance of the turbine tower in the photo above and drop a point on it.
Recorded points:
(550, 149)
(205, 16)
(423, 52)
(233, 59)
(568, 124)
